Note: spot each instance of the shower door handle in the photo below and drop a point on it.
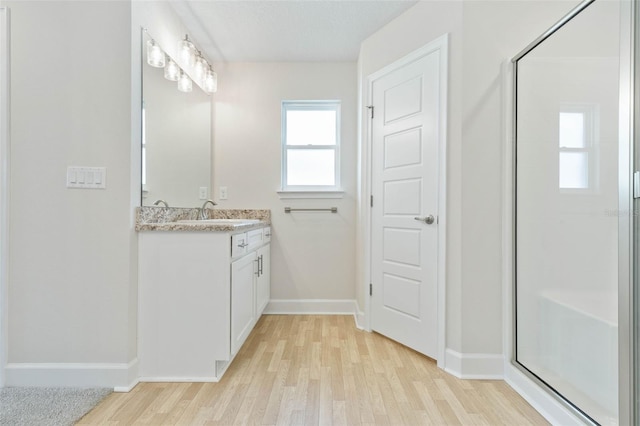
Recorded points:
(428, 219)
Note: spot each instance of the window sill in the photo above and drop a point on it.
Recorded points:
(310, 194)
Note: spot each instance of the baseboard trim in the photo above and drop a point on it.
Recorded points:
(360, 320)
(311, 307)
(474, 366)
(133, 372)
(550, 408)
(115, 375)
(126, 389)
(172, 379)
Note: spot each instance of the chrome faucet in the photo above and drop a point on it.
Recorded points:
(158, 202)
(203, 214)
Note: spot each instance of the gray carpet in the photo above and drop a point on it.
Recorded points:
(47, 406)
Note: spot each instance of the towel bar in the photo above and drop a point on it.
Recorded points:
(332, 210)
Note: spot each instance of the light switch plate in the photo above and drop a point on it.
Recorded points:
(86, 177)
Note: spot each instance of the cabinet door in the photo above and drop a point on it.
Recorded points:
(243, 316)
(263, 282)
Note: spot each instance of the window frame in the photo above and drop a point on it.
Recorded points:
(310, 105)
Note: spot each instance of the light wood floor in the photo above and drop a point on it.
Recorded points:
(320, 370)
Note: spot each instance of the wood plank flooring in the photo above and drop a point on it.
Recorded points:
(320, 370)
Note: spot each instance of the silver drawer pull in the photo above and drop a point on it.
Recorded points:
(243, 245)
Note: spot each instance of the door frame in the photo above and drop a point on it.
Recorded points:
(440, 44)
(4, 188)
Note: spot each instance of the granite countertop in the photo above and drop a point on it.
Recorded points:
(168, 219)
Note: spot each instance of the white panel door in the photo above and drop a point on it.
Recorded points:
(405, 137)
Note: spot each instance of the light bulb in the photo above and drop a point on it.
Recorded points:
(200, 68)
(155, 55)
(184, 83)
(171, 70)
(211, 81)
(187, 52)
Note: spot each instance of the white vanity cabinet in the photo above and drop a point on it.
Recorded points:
(200, 294)
(250, 283)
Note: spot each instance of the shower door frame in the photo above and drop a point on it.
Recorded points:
(628, 217)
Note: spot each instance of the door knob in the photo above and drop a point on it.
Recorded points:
(428, 219)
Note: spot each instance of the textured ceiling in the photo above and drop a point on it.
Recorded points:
(285, 30)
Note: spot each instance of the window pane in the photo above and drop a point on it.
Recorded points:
(311, 127)
(572, 130)
(311, 167)
(574, 170)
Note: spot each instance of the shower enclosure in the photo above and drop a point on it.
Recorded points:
(574, 217)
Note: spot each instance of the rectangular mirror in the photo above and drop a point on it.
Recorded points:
(176, 139)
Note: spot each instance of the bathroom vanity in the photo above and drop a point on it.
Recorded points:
(203, 285)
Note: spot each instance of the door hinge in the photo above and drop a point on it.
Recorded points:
(370, 289)
(372, 109)
(372, 201)
(636, 184)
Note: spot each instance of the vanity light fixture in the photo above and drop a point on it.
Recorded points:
(190, 59)
(187, 51)
(155, 55)
(184, 83)
(210, 82)
(171, 70)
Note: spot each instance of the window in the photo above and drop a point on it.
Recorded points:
(576, 148)
(311, 146)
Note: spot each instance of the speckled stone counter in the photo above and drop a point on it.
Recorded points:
(167, 219)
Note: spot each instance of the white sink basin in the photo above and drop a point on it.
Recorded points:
(234, 222)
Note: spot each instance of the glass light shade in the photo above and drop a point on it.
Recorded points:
(200, 68)
(171, 70)
(155, 55)
(184, 83)
(187, 52)
(211, 81)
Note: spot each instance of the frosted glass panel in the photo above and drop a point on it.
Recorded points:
(567, 185)
(311, 167)
(311, 127)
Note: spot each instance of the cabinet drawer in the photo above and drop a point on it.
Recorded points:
(254, 239)
(239, 244)
(266, 234)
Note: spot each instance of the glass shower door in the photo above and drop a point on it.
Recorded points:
(567, 211)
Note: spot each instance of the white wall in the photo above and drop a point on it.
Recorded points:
(70, 264)
(483, 34)
(72, 290)
(312, 254)
(494, 31)
(4, 184)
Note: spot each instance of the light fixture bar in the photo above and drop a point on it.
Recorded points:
(190, 66)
